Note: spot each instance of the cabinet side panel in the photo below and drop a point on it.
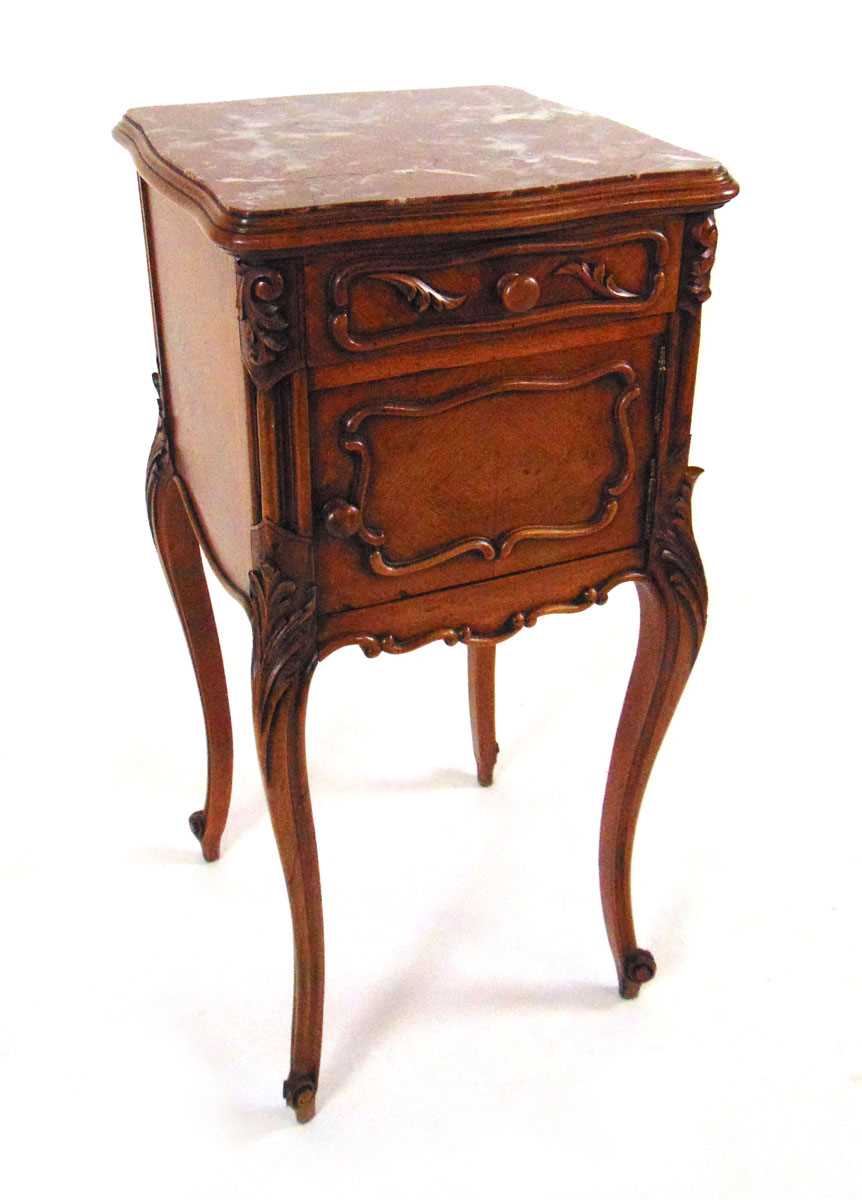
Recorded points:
(204, 382)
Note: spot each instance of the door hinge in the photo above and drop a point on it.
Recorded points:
(650, 498)
(661, 384)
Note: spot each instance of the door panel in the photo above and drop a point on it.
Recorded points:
(449, 477)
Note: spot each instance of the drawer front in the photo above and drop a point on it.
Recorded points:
(450, 477)
(367, 305)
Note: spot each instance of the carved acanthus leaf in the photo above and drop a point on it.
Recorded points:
(160, 462)
(418, 293)
(678, 555)
(597, 278)
(264, 323)
(700, 256)
(284, 631)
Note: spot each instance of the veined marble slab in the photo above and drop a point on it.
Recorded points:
(301, 152)
(261, 174)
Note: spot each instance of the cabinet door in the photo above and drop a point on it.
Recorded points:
(448, 477)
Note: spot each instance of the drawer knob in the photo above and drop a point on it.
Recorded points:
(341, 518)
(519, 293)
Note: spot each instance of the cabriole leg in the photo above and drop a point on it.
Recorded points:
(180, 555)
(673, 602)
(284, 658)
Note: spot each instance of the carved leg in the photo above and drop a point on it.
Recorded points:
(673, 601)
(480, 682)
(282, 665)
(180, 556)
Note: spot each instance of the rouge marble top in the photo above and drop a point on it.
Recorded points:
(317, 159)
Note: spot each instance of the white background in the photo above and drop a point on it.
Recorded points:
(474, 1044)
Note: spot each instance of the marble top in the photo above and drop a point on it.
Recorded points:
(301, 153)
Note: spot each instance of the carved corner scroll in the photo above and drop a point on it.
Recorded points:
(702, 239)
(373, 644)
(266, 309)
(583, 260)
(344, 518)
(283, 618)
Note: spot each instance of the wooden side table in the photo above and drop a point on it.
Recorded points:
(425, 369)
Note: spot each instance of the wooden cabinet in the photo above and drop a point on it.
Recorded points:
(417, 388)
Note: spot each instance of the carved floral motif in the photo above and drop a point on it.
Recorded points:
(264, 323)
(679, 556)
(597, 278)
(700, 256)
(284, 632)
(160, 462)
(596, 275)
(418, 293)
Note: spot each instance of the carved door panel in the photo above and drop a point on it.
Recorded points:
(450, 477)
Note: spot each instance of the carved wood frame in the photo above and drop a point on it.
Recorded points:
(345, 518)
(594, 275)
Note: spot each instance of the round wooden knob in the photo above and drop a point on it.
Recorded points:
(341, 518)
(519, 293)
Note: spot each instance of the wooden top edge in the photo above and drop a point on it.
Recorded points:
(241, 232)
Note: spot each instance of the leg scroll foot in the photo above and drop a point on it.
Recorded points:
(638, 968)
(198, 826)
(300, 1094)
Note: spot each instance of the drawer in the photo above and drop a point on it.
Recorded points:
(450, 477)
(362, 305)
